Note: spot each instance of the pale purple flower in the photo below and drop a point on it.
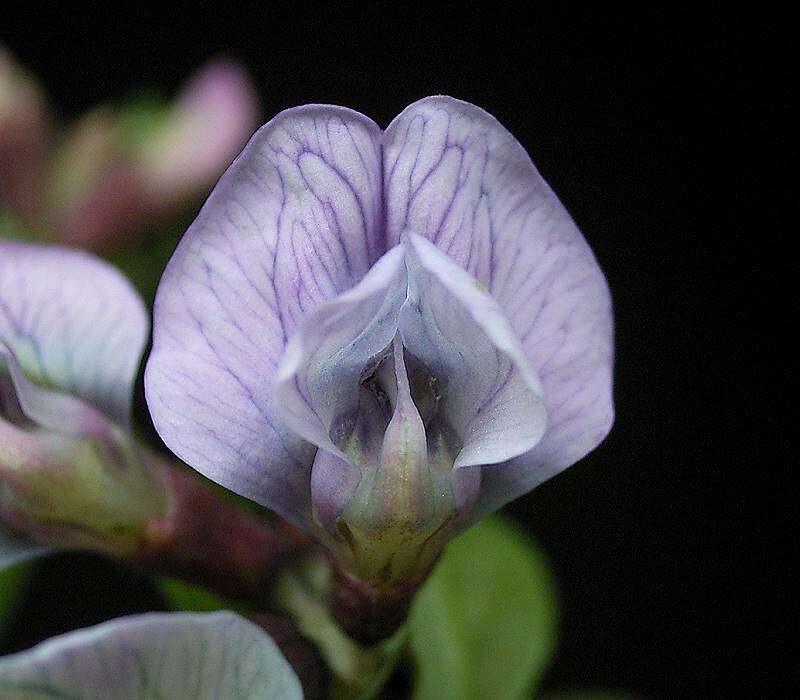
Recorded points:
(382, 335)
(203, 656)
(72, 331)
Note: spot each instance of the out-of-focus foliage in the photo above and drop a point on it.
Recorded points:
(184, 596)
(143, 260)
(589, 695)
(484, 624)
(13, 582)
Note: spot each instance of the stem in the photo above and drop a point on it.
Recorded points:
(370, 612)
(210, 541)
(303, 656)
(359, 672)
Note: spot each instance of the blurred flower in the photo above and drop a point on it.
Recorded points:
(72, 331)
(24, 136)
(116, 171)
(94, 196)
(200, 134)
(383, 336)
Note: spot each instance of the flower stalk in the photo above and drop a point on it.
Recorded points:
(210, 541)
(369, 612)
(359, 669)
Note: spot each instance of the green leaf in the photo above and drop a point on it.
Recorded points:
(13, 582)
(203, 656)
(191, 598)
(484, 624)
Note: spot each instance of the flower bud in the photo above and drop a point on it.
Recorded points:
(118, 169)
(84, 490)
(95, 197)
(199, 135)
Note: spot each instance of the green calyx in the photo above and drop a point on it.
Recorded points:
(79, 489)
(401, 504)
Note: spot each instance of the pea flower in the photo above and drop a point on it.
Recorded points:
(72, 331)
(174, 655)
(382, 335)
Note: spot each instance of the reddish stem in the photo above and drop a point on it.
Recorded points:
(369, 613)
(303, 656)
(210, 541)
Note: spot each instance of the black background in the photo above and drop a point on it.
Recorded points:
(633, 117)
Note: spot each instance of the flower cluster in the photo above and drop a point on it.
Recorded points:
(382, 336)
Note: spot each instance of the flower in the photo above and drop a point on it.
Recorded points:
(202, 132)
(72, 331)
(382, 335)
(119, 169)
(116, 170)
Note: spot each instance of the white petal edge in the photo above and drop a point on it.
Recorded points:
(50, 409)
(318, 378)
(203, 656)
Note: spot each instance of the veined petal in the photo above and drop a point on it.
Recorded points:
(454, 175)
(295, 221)
(158, 655)
(490, 394)
(318, 380)
(74, 325)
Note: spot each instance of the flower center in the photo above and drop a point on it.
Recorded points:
(405, 452)
(408, 383)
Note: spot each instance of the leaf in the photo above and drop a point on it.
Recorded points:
(155, 656)
(13, 582)
(484, 624)
(189, 597)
